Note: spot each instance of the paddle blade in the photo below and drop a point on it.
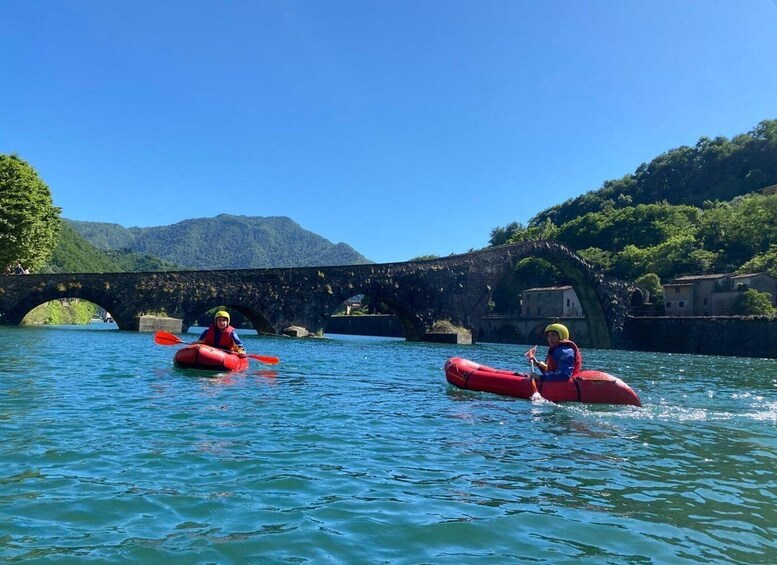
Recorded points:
(529, 354)
(264, 358)
(164, 338)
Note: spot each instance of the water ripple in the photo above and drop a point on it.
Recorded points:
(356, 450)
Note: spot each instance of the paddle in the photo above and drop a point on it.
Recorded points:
(165, 338)
(530, 356)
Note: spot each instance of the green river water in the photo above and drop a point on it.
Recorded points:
(356, 450)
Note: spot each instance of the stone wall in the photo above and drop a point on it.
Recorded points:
(510, 329)
(385, 326)
(156, 323)
(728, 336)
(720, 335)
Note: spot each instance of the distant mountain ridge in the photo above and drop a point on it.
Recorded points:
(224, 242)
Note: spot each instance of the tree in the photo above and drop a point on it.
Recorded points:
(29, 221)
(762, 263)
(752, 302)
(501, 236)
(652, 284)
(597, 257)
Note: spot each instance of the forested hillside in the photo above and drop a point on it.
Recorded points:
(224, 242)
(73, 254)
(692, 210)
(717, 169)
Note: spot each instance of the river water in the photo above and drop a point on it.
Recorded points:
(356, 450)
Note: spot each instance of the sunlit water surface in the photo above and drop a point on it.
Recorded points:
(356, 450)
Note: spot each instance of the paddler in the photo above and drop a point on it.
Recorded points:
(563, 360)
(220, 334)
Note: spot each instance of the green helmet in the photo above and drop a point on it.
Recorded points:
(560, 329)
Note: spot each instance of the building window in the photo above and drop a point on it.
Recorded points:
(668, 305)
(681, 304)
(705, 301)
(677, 290)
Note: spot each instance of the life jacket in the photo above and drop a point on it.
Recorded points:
(551, 361)
(225, 339)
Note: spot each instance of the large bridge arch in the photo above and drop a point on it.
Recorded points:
(455, 288)
(385, 293)
(604, 300)
(40, 293)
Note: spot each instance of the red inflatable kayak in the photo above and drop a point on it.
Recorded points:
(586, 386)
(199, 356)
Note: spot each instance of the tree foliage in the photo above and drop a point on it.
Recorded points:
(753, 303)
(73, 254)
(652, 283)
(29, 221)
(692, 210)
(765, 262)
(714, 169)
(58, 312)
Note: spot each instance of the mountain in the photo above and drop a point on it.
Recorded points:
(74, 254)
(224, 242)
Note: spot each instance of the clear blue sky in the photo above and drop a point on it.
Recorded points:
(401, 128)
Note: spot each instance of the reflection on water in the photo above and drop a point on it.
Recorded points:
(357, 450)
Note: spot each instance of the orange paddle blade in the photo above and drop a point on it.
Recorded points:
(165, 338)
(264, 358)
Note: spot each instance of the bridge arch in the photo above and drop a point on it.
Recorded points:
(37, 294)
(195, 311)
(383, 293)
(603, 299)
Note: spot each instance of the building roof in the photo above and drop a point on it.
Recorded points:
(769, 189)
(690, 278)
(547, 288)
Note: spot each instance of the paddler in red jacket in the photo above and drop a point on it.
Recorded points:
(220, 334)
(563, 360)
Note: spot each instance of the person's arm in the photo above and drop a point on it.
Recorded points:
(536, 362)
(565, 361)
(201, 339)
(237, 345)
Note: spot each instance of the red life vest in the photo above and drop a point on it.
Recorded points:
(551, 362)
(225, 340)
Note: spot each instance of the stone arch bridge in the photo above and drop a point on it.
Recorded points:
(456, 288)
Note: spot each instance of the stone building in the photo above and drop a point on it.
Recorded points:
(550, 302)
(712, 295)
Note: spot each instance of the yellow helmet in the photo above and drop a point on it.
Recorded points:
(221, 314)
(560, 329)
